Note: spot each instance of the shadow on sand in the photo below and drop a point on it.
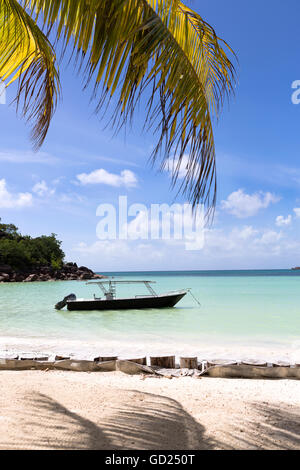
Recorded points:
(274, 428)
(138, 420)
(156, 422)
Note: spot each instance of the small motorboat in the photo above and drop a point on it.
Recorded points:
(110, 302)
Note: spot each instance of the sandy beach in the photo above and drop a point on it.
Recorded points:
(74, 410)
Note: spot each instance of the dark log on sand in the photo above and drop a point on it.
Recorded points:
(61, 358)
(188, 363)
(166, 362)
(221, 362)
(255, 363)
(141, 360)
(105, 358)
(27, 357)
(281, 364)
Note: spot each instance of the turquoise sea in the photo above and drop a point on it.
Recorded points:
(243, 314)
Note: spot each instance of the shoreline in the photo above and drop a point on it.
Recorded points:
(88, 350)
(67, 272)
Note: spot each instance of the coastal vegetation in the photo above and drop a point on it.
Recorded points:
(23, 252)
(160, 52)
(23, 257)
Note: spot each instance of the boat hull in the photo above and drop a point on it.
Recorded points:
(161, 301)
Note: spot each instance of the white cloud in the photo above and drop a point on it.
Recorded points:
(12, 201)
(219, 242)
(112, 254)
(173, 164)
(58, 180)
(17, 156)
(126, 178)
(269, 237)
(41, 189)
(282, 222)
(297, 211)
(245, 243)
(238, 248)
(245, 233)
(244, 205)
(71, 198)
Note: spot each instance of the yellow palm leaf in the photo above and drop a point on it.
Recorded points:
(27, 55)
(162, 48)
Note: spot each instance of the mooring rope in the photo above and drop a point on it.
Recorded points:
(195, 298)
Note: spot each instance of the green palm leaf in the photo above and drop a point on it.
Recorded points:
(160, 49)
(27, 55)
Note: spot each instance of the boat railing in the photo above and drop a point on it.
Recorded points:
(108, 287)
(179, 291)
(143, 296)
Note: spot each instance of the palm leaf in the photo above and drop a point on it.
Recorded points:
(163, 48)
(27, 55)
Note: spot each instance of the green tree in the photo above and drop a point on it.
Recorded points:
(24, 252)
(126, 48)
(8, 231)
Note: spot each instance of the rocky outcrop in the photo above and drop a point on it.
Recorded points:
(69, 272)
(5, 268)
(4, 277)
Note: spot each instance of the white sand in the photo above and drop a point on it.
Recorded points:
(71, 410)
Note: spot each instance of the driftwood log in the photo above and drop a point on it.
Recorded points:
(105, 358)
(61, 358)
(188, 362)
(167, 362)
(281, 364)
(162, 366)
(139, 360)
(25, 357)
(221, 362)
(255, 363)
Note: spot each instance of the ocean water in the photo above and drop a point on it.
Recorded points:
(243, 314)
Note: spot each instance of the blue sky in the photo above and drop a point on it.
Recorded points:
(257, 140)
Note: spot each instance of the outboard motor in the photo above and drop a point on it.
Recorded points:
(63, 302)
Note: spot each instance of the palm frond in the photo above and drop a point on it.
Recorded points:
(163, 48)
(27, 55)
